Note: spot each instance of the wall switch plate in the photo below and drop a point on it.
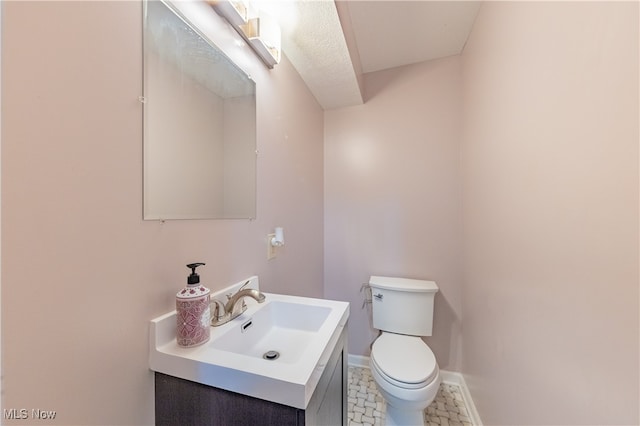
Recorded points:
(271, 250)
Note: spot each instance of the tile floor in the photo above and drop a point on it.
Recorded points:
(367, 408)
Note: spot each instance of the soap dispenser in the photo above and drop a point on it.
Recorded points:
(193, 311)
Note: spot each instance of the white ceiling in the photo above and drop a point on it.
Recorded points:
(333, 43)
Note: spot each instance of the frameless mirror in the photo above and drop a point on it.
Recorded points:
(199, 124)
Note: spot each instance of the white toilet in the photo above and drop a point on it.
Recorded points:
(402, 365)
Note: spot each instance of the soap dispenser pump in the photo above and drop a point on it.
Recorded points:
(193, 311)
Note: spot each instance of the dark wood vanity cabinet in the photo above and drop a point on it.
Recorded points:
(182, 402)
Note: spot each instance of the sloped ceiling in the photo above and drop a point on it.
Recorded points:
(317, 48)
(333, 43)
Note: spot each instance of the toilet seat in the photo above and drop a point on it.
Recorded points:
(404, 361)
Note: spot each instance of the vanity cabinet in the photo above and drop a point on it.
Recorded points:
(183, 402)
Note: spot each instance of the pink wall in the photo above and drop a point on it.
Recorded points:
(550, 162)
(82, 274)
(392, 204)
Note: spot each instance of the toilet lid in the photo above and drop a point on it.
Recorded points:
(406, 359)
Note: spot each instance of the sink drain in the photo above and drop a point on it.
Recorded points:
(271, 355)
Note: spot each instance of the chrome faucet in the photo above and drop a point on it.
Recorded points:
(223, 313)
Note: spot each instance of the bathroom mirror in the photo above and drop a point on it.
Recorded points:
(199, 124)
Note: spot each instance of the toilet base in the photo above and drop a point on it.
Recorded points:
(400, 417)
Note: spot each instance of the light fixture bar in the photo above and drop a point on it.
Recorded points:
(261, 32)
(235, 12)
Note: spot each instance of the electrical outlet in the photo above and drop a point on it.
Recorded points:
(271, 250)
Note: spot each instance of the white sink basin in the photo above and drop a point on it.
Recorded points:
(303, 331)
(280, 332)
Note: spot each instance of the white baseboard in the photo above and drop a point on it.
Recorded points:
(448, 377)
(358, 361)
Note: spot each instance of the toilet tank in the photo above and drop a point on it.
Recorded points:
(403, 305)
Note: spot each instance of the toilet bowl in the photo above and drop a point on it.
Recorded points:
(407, 375)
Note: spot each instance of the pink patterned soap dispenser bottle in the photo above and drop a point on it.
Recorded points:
(194, 315)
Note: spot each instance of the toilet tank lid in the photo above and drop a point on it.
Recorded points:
(405, 284)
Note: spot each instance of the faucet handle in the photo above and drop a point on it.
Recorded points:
(218, 310)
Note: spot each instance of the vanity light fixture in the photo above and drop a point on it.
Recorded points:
(260, 30)
(235, 12)
(264, 36)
